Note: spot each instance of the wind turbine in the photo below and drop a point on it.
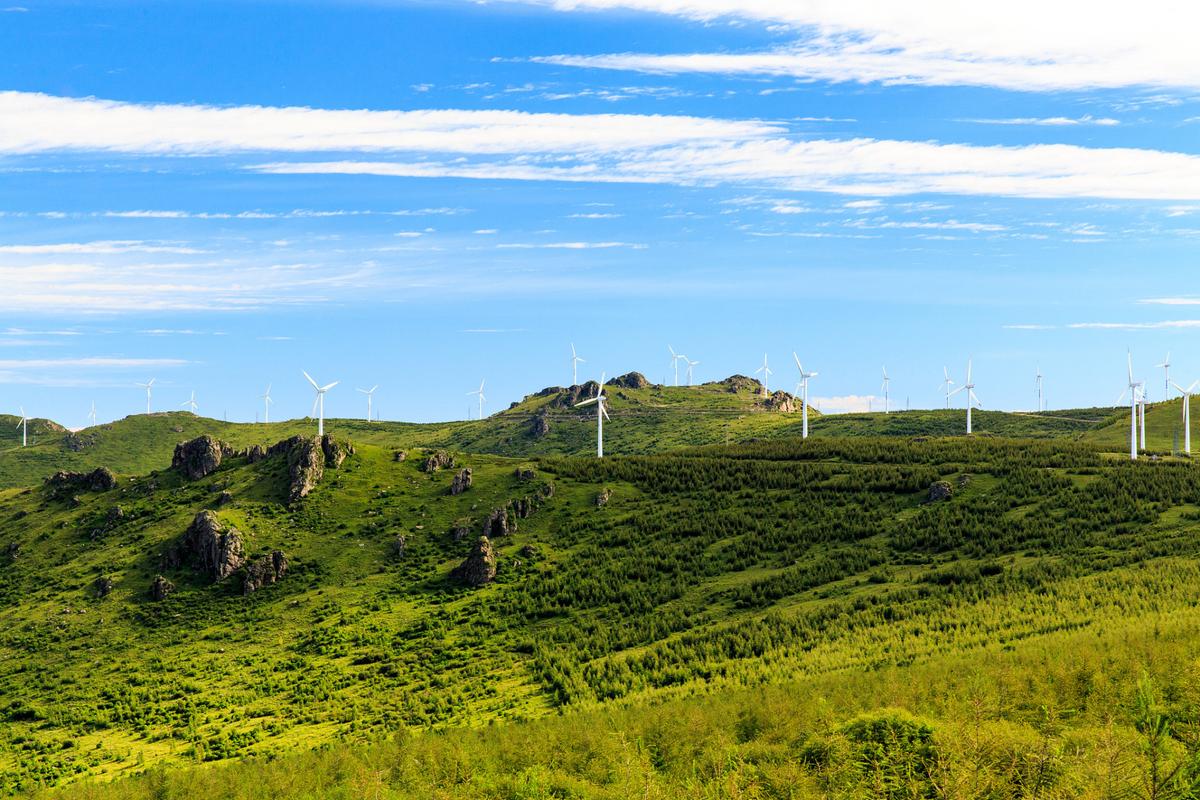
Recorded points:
(575, 362)
(1165, 366)
(1132, 387)
(766, 373)
(266, 398)
(1187, 414)
(319, 401)
(191, 402)
(370, 393)
(886, 382)
(969, 387)
(147, 386)
(479, 392)
(946, 384)
(92, 414)
(675, 357)
(24, 426)
(1038, 384)
(601, 414)
(690, 364)
(804, 376)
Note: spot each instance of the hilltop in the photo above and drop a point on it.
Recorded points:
(618, 583)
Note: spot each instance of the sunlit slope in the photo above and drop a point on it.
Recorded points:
(1164, 428)
(722, 566)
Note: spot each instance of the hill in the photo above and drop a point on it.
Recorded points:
(632, 581)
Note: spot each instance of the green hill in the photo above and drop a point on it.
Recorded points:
(820, 566)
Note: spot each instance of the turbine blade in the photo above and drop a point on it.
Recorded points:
(587, 402)
(310, 379)
(316, 400)
(329, 386)
(604, 411)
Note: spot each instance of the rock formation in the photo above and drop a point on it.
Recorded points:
(399, 544)
(780, 401)
(264, 571)
(940, 490)
(603, 498)
(100, 479)
(199, 457)
(479, 567)
(439, 459)
(209, 547)
(102, 586)
(500, 523)
(461, 482)
(524, 474)
(160, 588)
(736, 383)
(630, 380)
(307, 458)
(539, 424)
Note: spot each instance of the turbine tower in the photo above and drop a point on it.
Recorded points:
(190, 403)
(479, 392)
(675, 357)
(370, 393)
(266, 398)
(969, 388)
(886, 383)
(766, 373)
(319, 401)
(575, 362)
(601, 414)
(24, 426)
(1038, 384)
(946, 384)
(1132, 388)
(804, 376)
(1187, 414)
(690, 364)
(147, 386)
(92, 414)
(1165, 366)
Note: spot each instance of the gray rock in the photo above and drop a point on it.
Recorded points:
(630, 380)
(479, 567)
(461, 482)
(160, 588)
(265, 571)
(210, 547)
(439, 459)
(940, 490)
(603, 498)
(200, 456)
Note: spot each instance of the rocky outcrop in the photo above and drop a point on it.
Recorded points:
(335, 452)
(160, 588)
(62, 483)
(399, 455)
(198, 457)
(208, 546)
(501, 522)
(307, 457)
(460, 532)
(479, 567)
(737, 383)
(256, 453)
(539, 424)
(439, 459)
(940, 490)
(102, 586)
(630, 380)
(461, 482)
(603, 498)
(224, 499)
(77, 443)
(524, 474)
(568, 397)
(780, 401)
(399, 544)
(264, 571)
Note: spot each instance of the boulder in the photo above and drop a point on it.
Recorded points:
(209, 547)
(439, 459)
(524, 475)
(100, 479)
(264, 571)
(398, 545)
(479, 567)
(461, 482)
(780, 401)
(500, 523)
(963, 481)
(224, 498)
(335, 452)
(77, 443)
(737, 383)
(199, 457)
(306, 464)
(630, 380)
(256, 453)
(160, 588)
(102, 586)
(940, 490)
(603, 498)
(399, 455)
(567, 398)
(460, 532)
(539, 424)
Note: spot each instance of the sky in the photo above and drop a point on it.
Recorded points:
(423, 195)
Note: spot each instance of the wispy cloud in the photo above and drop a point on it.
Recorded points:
(1075, 44)
(1138, 326)
(1171, 301)
(567, 245)
(96, 248)
(1087, 119)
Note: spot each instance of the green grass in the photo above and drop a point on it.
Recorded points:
(816, 565)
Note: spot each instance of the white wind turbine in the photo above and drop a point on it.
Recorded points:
(24, 426)
(601, 414)
(886, 383)
(190, 403)
(804, 376)
(1038, 384)
(766, 373)
(969, 388)
(675, 358)
(575, 362)
(147, 386)
(266, 398)
(1132, 388)
(1165, 366)
(370, 393)
(690, 364)
(945, 385)
(479, 392)
(92, 414)
(319, 401)
(1187, 414)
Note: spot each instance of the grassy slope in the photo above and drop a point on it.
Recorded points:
(763, 563)
(1164, 428)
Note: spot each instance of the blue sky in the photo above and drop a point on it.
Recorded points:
(423, 194)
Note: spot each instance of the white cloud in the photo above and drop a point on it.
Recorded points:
(1138, 326)
(1087, 119)
(95, 248)
(486, 231)
(593, 215)
(1171, 301)
(569, 246)
(860, 204)
(506, 145)
(1020, 44)
(848, 404)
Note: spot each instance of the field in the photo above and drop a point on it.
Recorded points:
(1059, 577)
